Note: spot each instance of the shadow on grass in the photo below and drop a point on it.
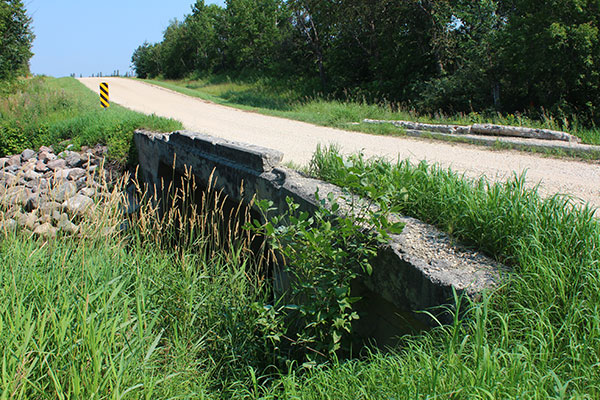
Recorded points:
(252, 97)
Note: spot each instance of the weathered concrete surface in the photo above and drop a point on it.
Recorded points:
(586, 151)
(525, 139)
(418, 270)
(483, 129)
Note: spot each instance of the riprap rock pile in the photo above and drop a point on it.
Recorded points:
(46, 193)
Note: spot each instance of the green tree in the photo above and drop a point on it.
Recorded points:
(16, 38)
(313, 20)
(146, 61)
(465, 46)
(450, 55)
(381, 48)
(206, 32)
(254, 33)
(551, 50)
(177, 51)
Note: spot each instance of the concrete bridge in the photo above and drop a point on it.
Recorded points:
(418, 270)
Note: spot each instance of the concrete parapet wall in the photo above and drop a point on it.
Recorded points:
(418, 270)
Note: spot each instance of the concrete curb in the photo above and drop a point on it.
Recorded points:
(545, 146)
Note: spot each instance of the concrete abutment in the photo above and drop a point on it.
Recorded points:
(420, 269)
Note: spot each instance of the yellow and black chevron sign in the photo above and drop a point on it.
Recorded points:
(104, 95)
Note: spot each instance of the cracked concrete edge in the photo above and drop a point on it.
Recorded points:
(486, 129)
(546, 146)
(419, 269)
(254, 157)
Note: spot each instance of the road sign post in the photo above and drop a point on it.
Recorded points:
(104, 95)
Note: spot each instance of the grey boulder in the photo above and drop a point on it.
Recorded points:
(45, 230)
(78, 204)
(27, 155)
(57, 164)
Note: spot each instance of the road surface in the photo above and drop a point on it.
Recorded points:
(298, 140)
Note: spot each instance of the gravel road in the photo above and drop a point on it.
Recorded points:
(298, 140)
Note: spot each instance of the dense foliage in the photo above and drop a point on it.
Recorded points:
(16, 38)
(324, 253)
(451, 55)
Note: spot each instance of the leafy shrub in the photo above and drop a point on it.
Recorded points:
(322, 255)
(12, 140)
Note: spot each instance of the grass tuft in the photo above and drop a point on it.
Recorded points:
(170, 308)
(158, 310)
(537, 336)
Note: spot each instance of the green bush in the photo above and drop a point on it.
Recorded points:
(321, 255)
(12, 140)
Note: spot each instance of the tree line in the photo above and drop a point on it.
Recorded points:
(526, 56)
(16, 39)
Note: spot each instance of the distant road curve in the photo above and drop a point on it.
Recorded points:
(298, 140)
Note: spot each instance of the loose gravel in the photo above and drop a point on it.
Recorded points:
(298, 141)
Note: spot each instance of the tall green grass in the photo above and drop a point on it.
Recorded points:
(48, 111)
(538, 336)
(165, 309)
(173, 306)
(294, 100)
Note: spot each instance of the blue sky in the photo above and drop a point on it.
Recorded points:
(91, 36)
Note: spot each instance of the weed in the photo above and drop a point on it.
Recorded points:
(137, 312)
(176, 306)
(530, 332)
(165, 310)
